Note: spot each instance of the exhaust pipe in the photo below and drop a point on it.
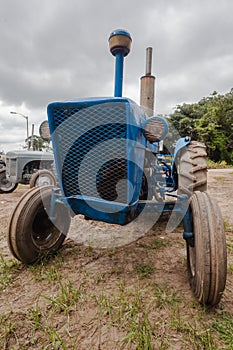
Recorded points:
(147, 86)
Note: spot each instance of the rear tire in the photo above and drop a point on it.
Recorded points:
(5, 185)
(31, 233)
(42, 178)
(206, 254)
(192, 170)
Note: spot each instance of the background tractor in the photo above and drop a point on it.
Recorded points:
(26, 167)
(35, 168)
(109, 168)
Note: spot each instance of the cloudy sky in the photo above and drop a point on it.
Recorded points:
(58, 49)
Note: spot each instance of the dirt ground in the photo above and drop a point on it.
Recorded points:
(85, 297)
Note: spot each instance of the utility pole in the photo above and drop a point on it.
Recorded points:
(25, 117)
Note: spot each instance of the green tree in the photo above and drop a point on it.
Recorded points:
(210, 121)
(36, 143)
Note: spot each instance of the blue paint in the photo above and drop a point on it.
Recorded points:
(188, 229)
(78, 128)
(120, 32)
(119, 50)
(119, 74)
(98, 142)
(180, 144)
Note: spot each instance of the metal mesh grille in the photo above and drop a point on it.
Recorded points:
(91, 147)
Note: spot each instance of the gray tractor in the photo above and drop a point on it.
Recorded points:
(26, 167)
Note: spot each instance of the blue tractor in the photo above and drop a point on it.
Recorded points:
(109, 167)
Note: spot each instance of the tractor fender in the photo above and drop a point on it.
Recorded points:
(181, 143)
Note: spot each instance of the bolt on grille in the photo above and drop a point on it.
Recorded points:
(91, 144)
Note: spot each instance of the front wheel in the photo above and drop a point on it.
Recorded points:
(5, 185)
(42, 178)
(31, 232)
(206, 253)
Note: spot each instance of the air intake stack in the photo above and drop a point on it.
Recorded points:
(119, 44)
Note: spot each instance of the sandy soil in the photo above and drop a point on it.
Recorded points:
(98, 234)
(83, 250)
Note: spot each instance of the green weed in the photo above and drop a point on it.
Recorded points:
(196, 333)
(127, 312)
(143, 270)
(7, 329)
(217, 165)
(67, 297)
(228, 227)
(55, 340)
(224, 326)
(157, 243)
(8, 270)
(43, 270)
(166, 296)
(219, 178)
(230, 268)
(35, 317)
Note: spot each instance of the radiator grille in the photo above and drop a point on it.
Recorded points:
(91, 142)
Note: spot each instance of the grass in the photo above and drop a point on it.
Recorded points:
(229, 240)
(66, 297)
(224, 327)
(35, 317)
(196, 334)
(23, 186)
(119, 298)
(156, 243)
(228, 227)
(47, 268)
(144, 317)
(7, 330)
(143, 270)
(166, 296)
(113, 306)
(126, 310)
(8, 271)
(218, 165)
(219, 178)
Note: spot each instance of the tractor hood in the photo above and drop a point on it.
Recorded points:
(30, 155)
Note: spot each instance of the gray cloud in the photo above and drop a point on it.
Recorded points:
(54, 50)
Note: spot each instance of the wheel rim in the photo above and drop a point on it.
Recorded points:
(44, 233)
(6, 185)
(44, 180)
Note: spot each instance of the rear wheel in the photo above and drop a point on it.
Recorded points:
(5, 185)
(31, 233)
(192, 169)
(206, 253)
(42, 178)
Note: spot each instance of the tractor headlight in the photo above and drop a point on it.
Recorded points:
(155, 129)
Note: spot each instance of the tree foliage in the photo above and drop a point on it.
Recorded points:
(210, 121)
(36, 143)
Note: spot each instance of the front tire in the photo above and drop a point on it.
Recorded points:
(206, 254)
(42, 178)
(5, 185)
(31, 233)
